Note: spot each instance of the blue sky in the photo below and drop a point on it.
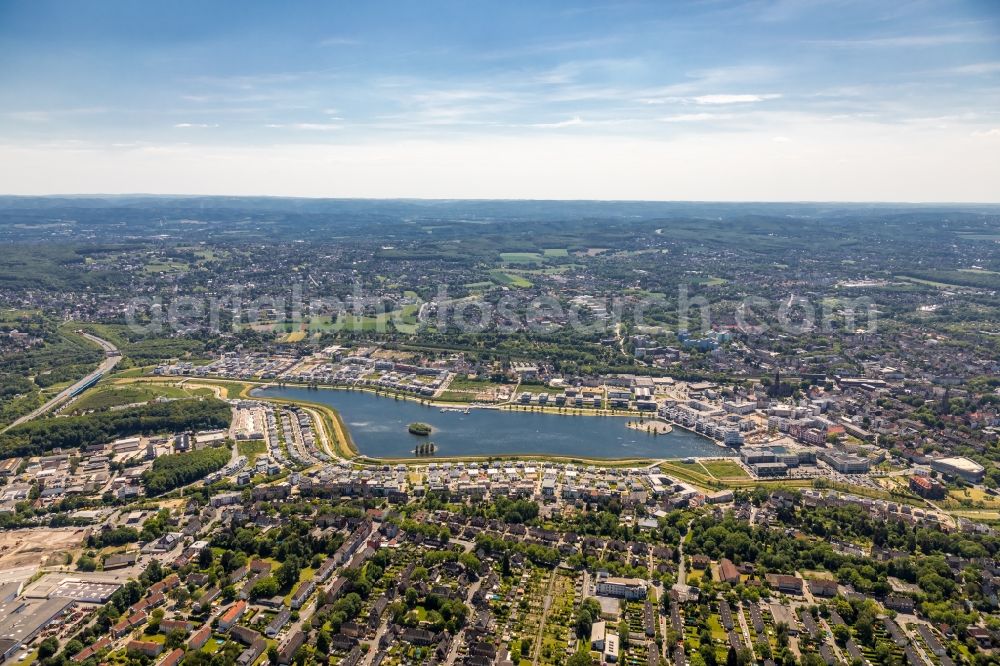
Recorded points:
(710, 99)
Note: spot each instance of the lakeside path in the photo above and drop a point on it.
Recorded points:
(243, 387)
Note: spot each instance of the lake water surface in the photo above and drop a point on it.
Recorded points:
(378, 428)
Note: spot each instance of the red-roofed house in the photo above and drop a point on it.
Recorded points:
(89, 651)
(200, 637)
(728, 572)
(148, 648)
(173, 658)
(784, 583)
(232, 615)
(121, 628)
(166, 626)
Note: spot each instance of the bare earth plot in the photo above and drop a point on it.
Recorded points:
(34, 547)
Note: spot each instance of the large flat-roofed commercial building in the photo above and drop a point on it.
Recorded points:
(22, 619)
(769, 469)
(756, 455)
(847, 463)
(93, 588)
(967, 469)
(624, 588)
(95, 592)
(784, 451)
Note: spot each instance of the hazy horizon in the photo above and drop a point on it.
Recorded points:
(719, 100)
(224, 195)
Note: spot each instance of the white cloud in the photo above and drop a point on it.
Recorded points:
(841, 160)
(48, 115)
(732, 99)
(990, 132)
(699, 81)
(340, 41)
(320, 127)
(692, 117)
(31, 116)
(556, 46)
(194, 125)
(976, 68)
(899, 41)
(314, 127)
(572, 122)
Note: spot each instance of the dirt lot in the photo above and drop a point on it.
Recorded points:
(21, 548)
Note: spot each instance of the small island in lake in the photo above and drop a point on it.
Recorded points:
(418, 428)
(652, 427)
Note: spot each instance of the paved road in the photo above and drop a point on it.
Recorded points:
(743, 626)
(546, 605)
(321, 434)
(837, 651)
(110, 361)
(681, 569)
(382, 628)
(459, 639)
(305, 615)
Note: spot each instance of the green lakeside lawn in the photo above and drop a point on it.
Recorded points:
(457, 396)
(463, 383)
(723, 469)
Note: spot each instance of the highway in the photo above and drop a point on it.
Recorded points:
(110, 361)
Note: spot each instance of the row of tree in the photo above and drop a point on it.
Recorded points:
(179, 469)
(425, 449)
(78, 432)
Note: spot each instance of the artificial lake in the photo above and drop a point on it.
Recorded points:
(378, 426)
